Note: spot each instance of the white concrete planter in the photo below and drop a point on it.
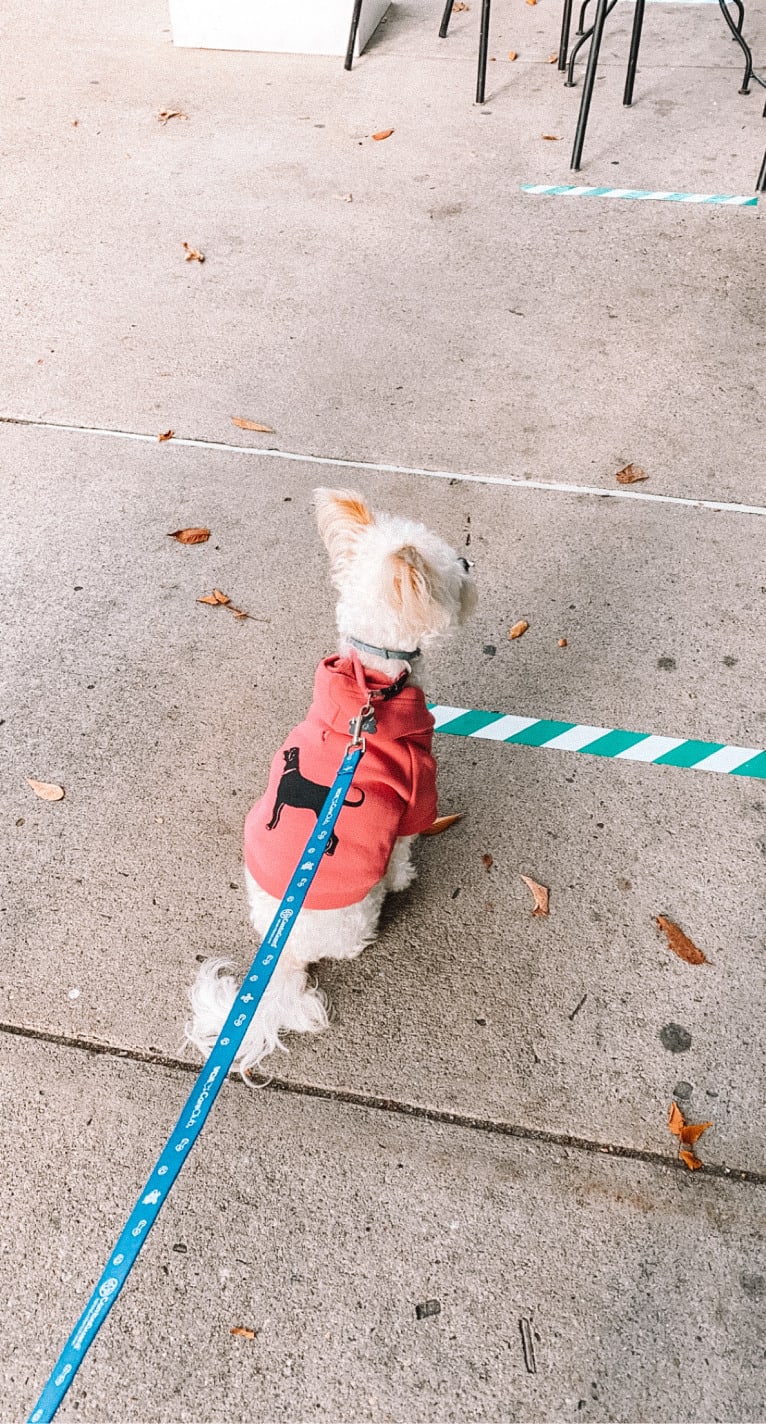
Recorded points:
(287, 26)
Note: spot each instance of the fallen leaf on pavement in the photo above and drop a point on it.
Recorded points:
(46, 790)
(487, 861)
(244, 1331)
(562, 642)
(541, 896)
(442, 823)
(680, 943)
(243, 424)
(192, 255)
(552, 138)
(675, 1119)
(75, 123)
(553, 58)
(518, 628)
(531, 2)
(166, 435)
(687, 1133)
(222, 600)
(458, 6)
(215, 597)
(691, 1132)
(512, 54)
(382, 133)
(166, 114)
(631, 475)
(190, 536)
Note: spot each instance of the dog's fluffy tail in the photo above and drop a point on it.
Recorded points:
(289, 1005)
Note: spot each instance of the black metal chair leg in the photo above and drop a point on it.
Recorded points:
(566, 21)
(740, 9)
(446, 17)
(744, 46)
(760, 186)
(569, 82)
(635, 42)
(355, 17)
(581, 21)
(481, 77)
(590, 78)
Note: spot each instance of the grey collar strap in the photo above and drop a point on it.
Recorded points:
(391, 654)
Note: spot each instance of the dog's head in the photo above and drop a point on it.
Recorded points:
(291, 759)
(400, 585)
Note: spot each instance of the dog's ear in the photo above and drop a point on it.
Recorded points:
(412, 592)
(341, 516)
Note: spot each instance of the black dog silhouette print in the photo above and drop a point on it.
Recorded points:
(295, 789)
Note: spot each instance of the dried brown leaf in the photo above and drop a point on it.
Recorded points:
(238, 612)
(459, 6)
(553, 58)
(442, 823)
(209, 598)
(689, 1159)
(551, 138)
(541, 896)
(221, 597)
(675, 1120)
(512, 54)
(518, 629)
(192, 254)
(680, 943)
(190, 536)
(243, 1331)
(562, 642)
(46, 790)
(487, 861)
(381, 134)
(631, 475)
(691, 1132)
(166, 435)
(165, 114)
(243, 424)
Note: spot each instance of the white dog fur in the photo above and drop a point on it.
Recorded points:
(400, 587)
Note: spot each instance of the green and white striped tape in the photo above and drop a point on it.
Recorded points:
(600, 741)
(576, 190)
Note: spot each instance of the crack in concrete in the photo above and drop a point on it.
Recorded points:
(396, 1106)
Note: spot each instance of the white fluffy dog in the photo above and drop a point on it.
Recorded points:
(400, 588)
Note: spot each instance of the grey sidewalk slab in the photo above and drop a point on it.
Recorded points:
(322, 1227)
(440, 318)
(160, 716)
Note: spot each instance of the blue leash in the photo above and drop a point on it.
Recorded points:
(202, 1096)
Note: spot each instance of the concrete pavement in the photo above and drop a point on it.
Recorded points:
(520, 1070)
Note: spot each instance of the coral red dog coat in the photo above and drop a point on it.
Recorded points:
(393, 793)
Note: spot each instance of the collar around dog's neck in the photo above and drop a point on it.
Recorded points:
(390, 654)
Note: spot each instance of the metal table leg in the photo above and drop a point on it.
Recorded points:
(635, 41)
(590, 77)
(481, 77)
(446, 17)
(355, 16)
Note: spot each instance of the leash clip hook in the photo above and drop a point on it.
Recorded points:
(364, 720)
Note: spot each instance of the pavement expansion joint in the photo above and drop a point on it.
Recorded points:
(374, 467)
(396, 1106)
